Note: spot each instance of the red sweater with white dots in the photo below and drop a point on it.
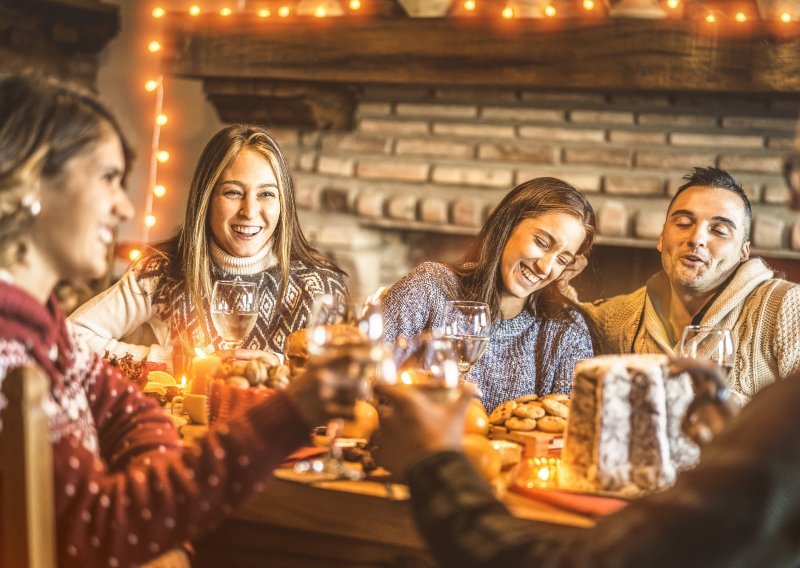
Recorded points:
(126, 489)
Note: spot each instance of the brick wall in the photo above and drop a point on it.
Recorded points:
(438, 160)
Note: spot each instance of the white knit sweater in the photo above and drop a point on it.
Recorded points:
(114, 320)
(762, 311)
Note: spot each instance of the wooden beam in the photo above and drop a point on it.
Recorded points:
(666, 55)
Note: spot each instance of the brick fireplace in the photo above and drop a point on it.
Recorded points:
(391, 171)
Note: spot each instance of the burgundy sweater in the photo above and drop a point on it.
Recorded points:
(126, 489)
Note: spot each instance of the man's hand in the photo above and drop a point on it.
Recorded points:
(413, 425)
(570, 272)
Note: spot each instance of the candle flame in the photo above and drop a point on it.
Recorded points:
(183, 382)
(406, 378)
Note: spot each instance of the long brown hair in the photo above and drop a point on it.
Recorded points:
(479, 273)
(43, 124)
(190, 249)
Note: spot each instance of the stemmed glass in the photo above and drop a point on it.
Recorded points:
(350, 381)
(712, 406)
(429, 364)
(467, 325)
(709, 342)
(234, 311)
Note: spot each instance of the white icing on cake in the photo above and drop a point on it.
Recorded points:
(623, 432)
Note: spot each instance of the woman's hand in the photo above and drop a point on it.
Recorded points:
(413, 425)
(249, 355)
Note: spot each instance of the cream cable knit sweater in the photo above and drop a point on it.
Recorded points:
(762, 311)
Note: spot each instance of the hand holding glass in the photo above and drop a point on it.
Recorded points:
(234, 311)
(709, 342)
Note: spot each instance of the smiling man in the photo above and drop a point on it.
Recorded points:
(708, 278)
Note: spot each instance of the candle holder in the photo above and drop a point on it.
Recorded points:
(540, 473)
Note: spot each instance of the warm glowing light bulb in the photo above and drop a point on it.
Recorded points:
(673, 4)
(159, 12)
(355, 4)
(588, 4)
(162, 156)
(159, 191)
(543, 474)
(283, 11)
(161, 119)
(134, 254)
(508, 12)
(150, 85)
(711, 18)
(194, 10)
(549, 10)
(150, 220)
(469, 5)
(740, 17)
(320, 12)
(153, 46)
(225, 11)
(786, 17)
(264, 13)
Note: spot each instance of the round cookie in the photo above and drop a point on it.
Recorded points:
(526, 398)
(521, 424)
(552, 424)
(529, 411)
(560, 397)
(555, 408)
(502, 413)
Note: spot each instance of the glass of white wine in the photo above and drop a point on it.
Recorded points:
(709, 342)
(234, 311)
(467, 325)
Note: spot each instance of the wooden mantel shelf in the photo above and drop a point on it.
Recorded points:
(317, 63)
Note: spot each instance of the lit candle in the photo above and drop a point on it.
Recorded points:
(203, 369)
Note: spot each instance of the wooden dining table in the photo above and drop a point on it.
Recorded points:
(296, 523)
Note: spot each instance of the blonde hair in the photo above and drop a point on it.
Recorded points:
(194, 240)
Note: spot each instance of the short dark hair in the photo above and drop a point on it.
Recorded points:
(718, 179)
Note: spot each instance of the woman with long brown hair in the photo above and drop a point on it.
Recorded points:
(535, 233)
(240, 224)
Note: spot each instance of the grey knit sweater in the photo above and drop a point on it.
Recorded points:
(526, 354)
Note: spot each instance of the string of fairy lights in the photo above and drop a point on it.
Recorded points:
(507, 9)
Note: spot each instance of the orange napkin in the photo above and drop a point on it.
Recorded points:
(584, 504)
(304, 454)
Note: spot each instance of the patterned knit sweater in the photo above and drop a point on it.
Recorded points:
(147, 295)
(526, 354)
(125, 487)
(762, 311)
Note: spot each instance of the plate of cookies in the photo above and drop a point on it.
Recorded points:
(539, 421)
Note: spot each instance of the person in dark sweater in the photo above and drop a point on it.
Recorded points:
(740, 507)
(126, 489)
(240, 224)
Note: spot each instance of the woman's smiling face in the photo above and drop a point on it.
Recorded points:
(538, 251)
(245, 205)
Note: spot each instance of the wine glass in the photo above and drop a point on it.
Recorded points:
(429, 363)
(234, 311)
(467, 325)
(709, 342)
(713, 404)
(349, 381)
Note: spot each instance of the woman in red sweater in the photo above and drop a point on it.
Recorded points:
(126, 490)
